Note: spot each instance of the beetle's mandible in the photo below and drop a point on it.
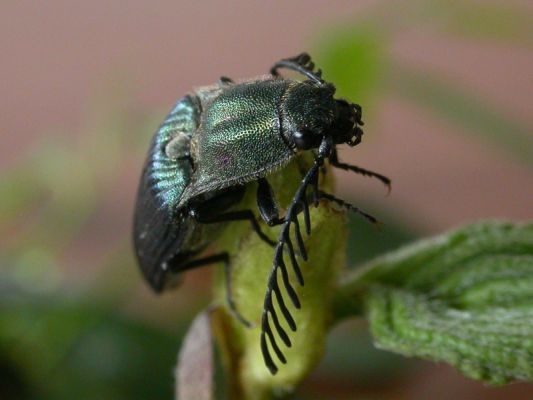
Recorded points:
(217, 140)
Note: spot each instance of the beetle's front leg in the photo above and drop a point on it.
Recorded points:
(334, 161)
(270, 214)
(268, 209)
(266, 203)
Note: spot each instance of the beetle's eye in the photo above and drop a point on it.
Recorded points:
(305, 139)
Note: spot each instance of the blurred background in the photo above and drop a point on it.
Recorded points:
(446, 89)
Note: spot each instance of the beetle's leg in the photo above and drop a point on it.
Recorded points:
(214, 210)
(225, 81)
(216, 258)
(270, 214)
(229, 292)
(347, 206)
(333, 160)
(268, 209)
(241, 215)
(301, 63)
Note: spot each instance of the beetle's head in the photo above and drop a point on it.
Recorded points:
(347, 125)
(311, 113)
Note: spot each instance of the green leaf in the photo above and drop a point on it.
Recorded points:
(465, 298)
(490, 344)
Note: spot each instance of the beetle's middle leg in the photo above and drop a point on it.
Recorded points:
(216, 258)
(214, 211)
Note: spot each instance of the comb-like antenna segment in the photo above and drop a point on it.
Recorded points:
(281, 303)
(295, 207)
(299, 239)
(292, 257)
(314, 186)
(287, 284)
(307, 217)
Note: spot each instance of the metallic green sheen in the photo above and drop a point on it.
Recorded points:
(169, 177)
(160, 232)
(239, 138)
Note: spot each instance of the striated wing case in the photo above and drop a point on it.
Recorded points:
(159, 228)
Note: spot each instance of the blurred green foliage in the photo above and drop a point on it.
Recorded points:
(54, 348)
(56, 345)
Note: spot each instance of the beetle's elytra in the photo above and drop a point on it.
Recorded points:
(213, 143)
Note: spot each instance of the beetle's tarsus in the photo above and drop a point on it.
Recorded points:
(216, 258)
(349, 207)
(229, 293)
(238, 315)
(334, 161)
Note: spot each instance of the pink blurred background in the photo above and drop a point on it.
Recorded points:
(59, 55)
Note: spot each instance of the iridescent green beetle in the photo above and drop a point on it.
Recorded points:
(213, 143)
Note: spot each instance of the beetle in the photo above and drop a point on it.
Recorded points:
(216, 141)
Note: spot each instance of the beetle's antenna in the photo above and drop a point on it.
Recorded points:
(299, 203)
(301, 63)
